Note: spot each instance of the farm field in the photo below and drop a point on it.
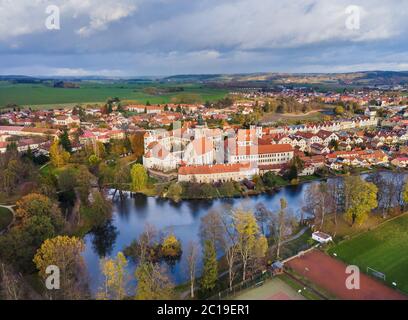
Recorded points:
(384, 249)
(40, 95)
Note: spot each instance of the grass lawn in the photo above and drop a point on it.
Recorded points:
(5, 218)
(384, 248)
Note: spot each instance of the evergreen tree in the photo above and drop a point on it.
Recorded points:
(210, 269)
(65, 142)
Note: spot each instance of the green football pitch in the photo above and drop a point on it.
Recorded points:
(384, 249)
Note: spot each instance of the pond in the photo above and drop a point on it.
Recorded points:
(131, 215)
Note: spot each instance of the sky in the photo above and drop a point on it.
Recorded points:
(130, 38)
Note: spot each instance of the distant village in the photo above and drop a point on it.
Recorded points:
(179, 142)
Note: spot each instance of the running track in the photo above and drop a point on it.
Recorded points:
(330, 274)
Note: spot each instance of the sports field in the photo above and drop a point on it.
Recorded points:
(330, 274)
(384, 249)
(274, 289)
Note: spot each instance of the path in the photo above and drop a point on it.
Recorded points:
(11, 208)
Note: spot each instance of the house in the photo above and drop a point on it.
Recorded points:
(318, 148)
(217, 173)
(400, 162)
(139, 108)
(154, 109)
(321, 237)
(260, 154)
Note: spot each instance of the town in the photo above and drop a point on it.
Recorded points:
(199, 143)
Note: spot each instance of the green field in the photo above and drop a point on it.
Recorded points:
(5, 218)
(385, 249)
(272, 289)
(41, 95)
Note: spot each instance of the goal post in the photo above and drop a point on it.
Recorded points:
(376, 273)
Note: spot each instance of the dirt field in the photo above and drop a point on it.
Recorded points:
(274, 289)
(329, 274)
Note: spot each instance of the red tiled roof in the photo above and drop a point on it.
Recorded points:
(214, 169)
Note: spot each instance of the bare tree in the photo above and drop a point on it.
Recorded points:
(229, 244)
(192, 254)
(211, 228)
(281, 224)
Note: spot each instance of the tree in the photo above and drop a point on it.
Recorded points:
(115, 278)
(146, 248)
(211, 229)
(65, 142)
(247, 232)
(192, 254)
(65, 253)
(360, 199)
(59, 157)
(171, 247)
(137, 144)
(139, 177)
(229, 244)
(295, 167)
(270, 179)
(175, 191)
(281, 224)
(153, 283)
(210, 267)
(227, 189)
(99, 211)
(34, 204)
(339, 110)
(18, 246)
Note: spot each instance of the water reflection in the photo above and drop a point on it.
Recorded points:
(183, 219)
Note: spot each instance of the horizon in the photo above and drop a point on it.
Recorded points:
(192, 74)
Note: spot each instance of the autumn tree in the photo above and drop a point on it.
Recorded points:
(153, 283)
(175, 191)
(139, 177)
(115, 278)
(65, 253)
(59, 157)
(360, 199)
(210, 267)
(35, 204)
(171, 247)
(137, 144)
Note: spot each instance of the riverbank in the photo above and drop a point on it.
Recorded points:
(205, 191)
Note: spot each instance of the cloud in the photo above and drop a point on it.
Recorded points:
(24, 17)
(206, 36)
